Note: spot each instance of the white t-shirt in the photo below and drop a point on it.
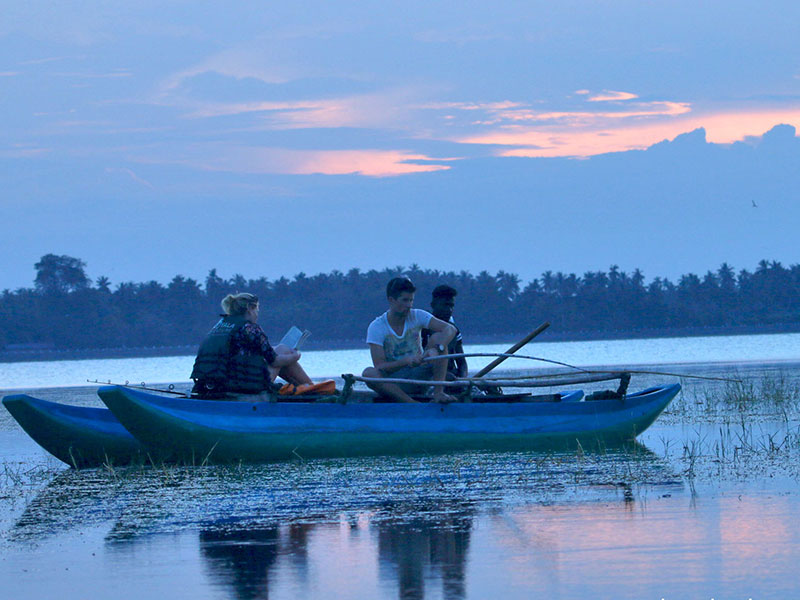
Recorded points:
(396, 346)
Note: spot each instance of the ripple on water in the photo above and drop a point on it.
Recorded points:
(152, 499)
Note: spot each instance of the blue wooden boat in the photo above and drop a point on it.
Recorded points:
(80, 436)
(86, 437)
(198, 431)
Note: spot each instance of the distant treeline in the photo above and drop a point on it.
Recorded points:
(65, 310)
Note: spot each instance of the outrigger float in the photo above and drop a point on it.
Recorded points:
(141, 426)
(82, 437)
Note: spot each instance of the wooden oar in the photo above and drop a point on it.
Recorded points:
(513, 349)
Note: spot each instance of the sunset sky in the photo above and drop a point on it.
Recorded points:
(129, 129)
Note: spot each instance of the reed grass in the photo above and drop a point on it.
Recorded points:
(18, 480)
(765, 395)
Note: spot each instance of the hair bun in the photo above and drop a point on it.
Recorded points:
(237, 304)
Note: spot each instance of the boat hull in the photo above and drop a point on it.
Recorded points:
(197, 431)
(82, 437)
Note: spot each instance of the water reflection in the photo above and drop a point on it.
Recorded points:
(571, 527)
(240, 560)
(657, 544)
(138, 501)
(414, 550)
(411, 552)
(278, 530)
(70, 500)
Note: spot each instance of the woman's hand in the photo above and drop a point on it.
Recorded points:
(285, 356)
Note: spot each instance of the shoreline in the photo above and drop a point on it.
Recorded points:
(48, 355)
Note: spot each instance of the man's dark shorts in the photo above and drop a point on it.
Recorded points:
(422, 372)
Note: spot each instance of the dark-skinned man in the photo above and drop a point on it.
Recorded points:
(443, 302)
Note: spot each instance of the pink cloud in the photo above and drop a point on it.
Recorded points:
(590, 138)
(23, 152)
(237, 108)
(390, 109)
(507, 117)
(591, 123)
(609, 96)
(650, 109)
(116, 74)
(526, 131)
(469, 105)
(372, 163)
(130, 174)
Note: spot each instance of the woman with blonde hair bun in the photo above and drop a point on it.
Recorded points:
(236, 355)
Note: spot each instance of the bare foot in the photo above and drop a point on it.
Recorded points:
(442, 398)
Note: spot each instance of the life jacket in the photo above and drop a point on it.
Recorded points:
(217, 369)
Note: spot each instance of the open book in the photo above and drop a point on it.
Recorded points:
(294, 338)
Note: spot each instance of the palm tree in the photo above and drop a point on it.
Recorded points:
(103, 284)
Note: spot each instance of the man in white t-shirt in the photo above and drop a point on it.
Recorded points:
(395, 345)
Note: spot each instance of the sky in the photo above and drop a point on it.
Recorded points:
(152, 139)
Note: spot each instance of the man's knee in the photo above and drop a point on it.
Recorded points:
(371, 372)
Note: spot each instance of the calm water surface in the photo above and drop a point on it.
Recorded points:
(332, 363)
(703, 507)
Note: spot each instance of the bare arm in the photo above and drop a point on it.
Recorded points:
(443, 332)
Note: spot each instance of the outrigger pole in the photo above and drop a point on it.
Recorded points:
(469, 381)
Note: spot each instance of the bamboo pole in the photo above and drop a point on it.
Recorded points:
(633, 372)
(500, 382)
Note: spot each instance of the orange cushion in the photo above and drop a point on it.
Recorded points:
(323, 387)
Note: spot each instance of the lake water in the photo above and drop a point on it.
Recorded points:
(332, 363)
(704, 506)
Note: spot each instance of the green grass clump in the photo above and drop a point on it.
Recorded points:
(767, 395)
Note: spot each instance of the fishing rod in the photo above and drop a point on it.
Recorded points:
(569, 366)
(142, 386)
(503, 354)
